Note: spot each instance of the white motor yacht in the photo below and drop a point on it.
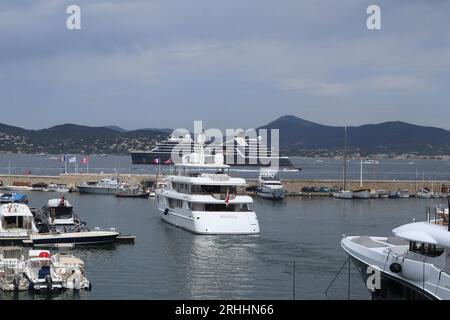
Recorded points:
(206, 202)
(412, 264)
(103, 186)
(270, 187)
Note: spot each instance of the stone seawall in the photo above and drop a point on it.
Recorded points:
(292, 186)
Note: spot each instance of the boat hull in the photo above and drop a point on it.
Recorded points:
(391, 288)
(163, 159)
(198, 222)
(97, 190)
(275, 194)
(77, 238)
(140, 195)
(361, 194)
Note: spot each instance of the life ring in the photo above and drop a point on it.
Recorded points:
(166, 211)
(44, 254)
(395, 267)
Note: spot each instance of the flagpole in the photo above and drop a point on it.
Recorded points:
(65, 164)
(87, 165)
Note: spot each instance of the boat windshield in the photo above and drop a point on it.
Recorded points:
(17, 222)
(61, 212)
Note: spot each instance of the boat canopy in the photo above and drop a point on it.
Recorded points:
(424, 232)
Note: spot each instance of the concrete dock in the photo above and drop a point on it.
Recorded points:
(292, 186)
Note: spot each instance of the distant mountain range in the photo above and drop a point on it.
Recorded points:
(72, 138)
(297, 137)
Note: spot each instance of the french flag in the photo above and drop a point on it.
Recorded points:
(62, 159)
(156, 161)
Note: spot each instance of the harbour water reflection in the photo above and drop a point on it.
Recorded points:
(170, 263)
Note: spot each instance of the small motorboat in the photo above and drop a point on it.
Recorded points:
(382, 194)
(126, 190)
(39, 271)
(13, 198)
(58, 224)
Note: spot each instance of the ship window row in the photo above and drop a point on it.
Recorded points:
(219, 192)
(193, 206)
(430, 250)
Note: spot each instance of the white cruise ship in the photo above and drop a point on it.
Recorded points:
(204, 199)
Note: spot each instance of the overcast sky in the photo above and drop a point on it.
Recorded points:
(230, 63)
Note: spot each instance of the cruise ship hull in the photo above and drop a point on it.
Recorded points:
(217, 223)
(163, 159)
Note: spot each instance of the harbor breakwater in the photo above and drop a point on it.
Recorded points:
(293, 187)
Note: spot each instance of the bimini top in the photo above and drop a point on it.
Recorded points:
(15, 209)
(424, 232)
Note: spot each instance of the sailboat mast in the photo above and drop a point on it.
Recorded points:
(361, 175)
(345, 158)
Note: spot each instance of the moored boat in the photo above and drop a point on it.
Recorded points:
(361, 194)
(203, 202)
(270, 187)
(412, 264)
(103, 186)
(126, 190)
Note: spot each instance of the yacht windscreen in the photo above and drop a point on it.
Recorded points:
(62, 212)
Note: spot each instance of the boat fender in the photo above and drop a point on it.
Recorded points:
(166, 211)
(395, 267)
(90, 286)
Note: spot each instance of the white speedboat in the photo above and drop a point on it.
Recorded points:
(270, 187)
(203, 202)
(103, 186)
(361, 194)
(413, 264)
(16, 221)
